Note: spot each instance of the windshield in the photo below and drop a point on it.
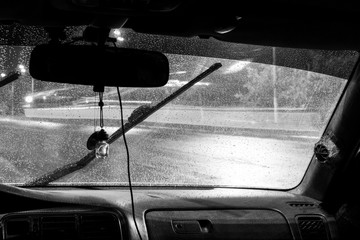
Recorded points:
(249, 124)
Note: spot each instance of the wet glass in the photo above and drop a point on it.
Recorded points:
(248, 124)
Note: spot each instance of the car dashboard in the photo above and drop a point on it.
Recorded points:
(161, 213)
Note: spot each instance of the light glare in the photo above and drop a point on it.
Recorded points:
(22, 68)
(29, 99)
(120, 39)
(117, 32)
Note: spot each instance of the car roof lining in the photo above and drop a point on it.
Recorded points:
(22, 35)
(308, 24)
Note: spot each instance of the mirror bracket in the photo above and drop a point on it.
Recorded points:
(99, 88)
(95, 34)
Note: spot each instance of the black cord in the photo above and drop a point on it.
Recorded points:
(95, 109)
(128, 165)
(101, 105)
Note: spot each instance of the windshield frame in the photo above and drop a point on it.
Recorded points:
(268, 57)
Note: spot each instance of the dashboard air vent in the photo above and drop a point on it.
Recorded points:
(312, 227)
(18, 228)
(58, 227)
(62, 225)
(99, 227)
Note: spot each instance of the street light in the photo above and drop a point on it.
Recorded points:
(274, 75)
(29, 99)
(120, 39)
(117, 34)
(178, 72)
(22, 68)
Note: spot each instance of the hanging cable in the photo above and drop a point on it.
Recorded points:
(128, 166)
(101, 105)
(95, 113)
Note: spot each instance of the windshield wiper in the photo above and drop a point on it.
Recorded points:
(9, 78)
(136, 117)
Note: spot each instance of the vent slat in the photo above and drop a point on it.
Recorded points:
(312, 227)
(99, 227)
(302, 204)
(76, 226)
(59, 227)
(18, 228)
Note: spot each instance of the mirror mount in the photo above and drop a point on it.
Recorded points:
(56, 34)
(97, 35)
(99, 88)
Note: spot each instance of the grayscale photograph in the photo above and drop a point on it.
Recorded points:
(153, 119)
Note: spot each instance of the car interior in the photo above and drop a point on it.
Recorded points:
(324, 204)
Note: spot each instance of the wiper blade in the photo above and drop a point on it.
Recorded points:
(143, 112)
(9, 78)
(138, 115)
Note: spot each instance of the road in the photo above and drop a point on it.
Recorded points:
(235, 117)
(158, 155)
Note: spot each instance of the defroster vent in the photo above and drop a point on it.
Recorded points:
(302, 204)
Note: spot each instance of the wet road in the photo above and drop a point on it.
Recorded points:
(158, 155)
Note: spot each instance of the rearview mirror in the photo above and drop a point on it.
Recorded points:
(92, 65)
